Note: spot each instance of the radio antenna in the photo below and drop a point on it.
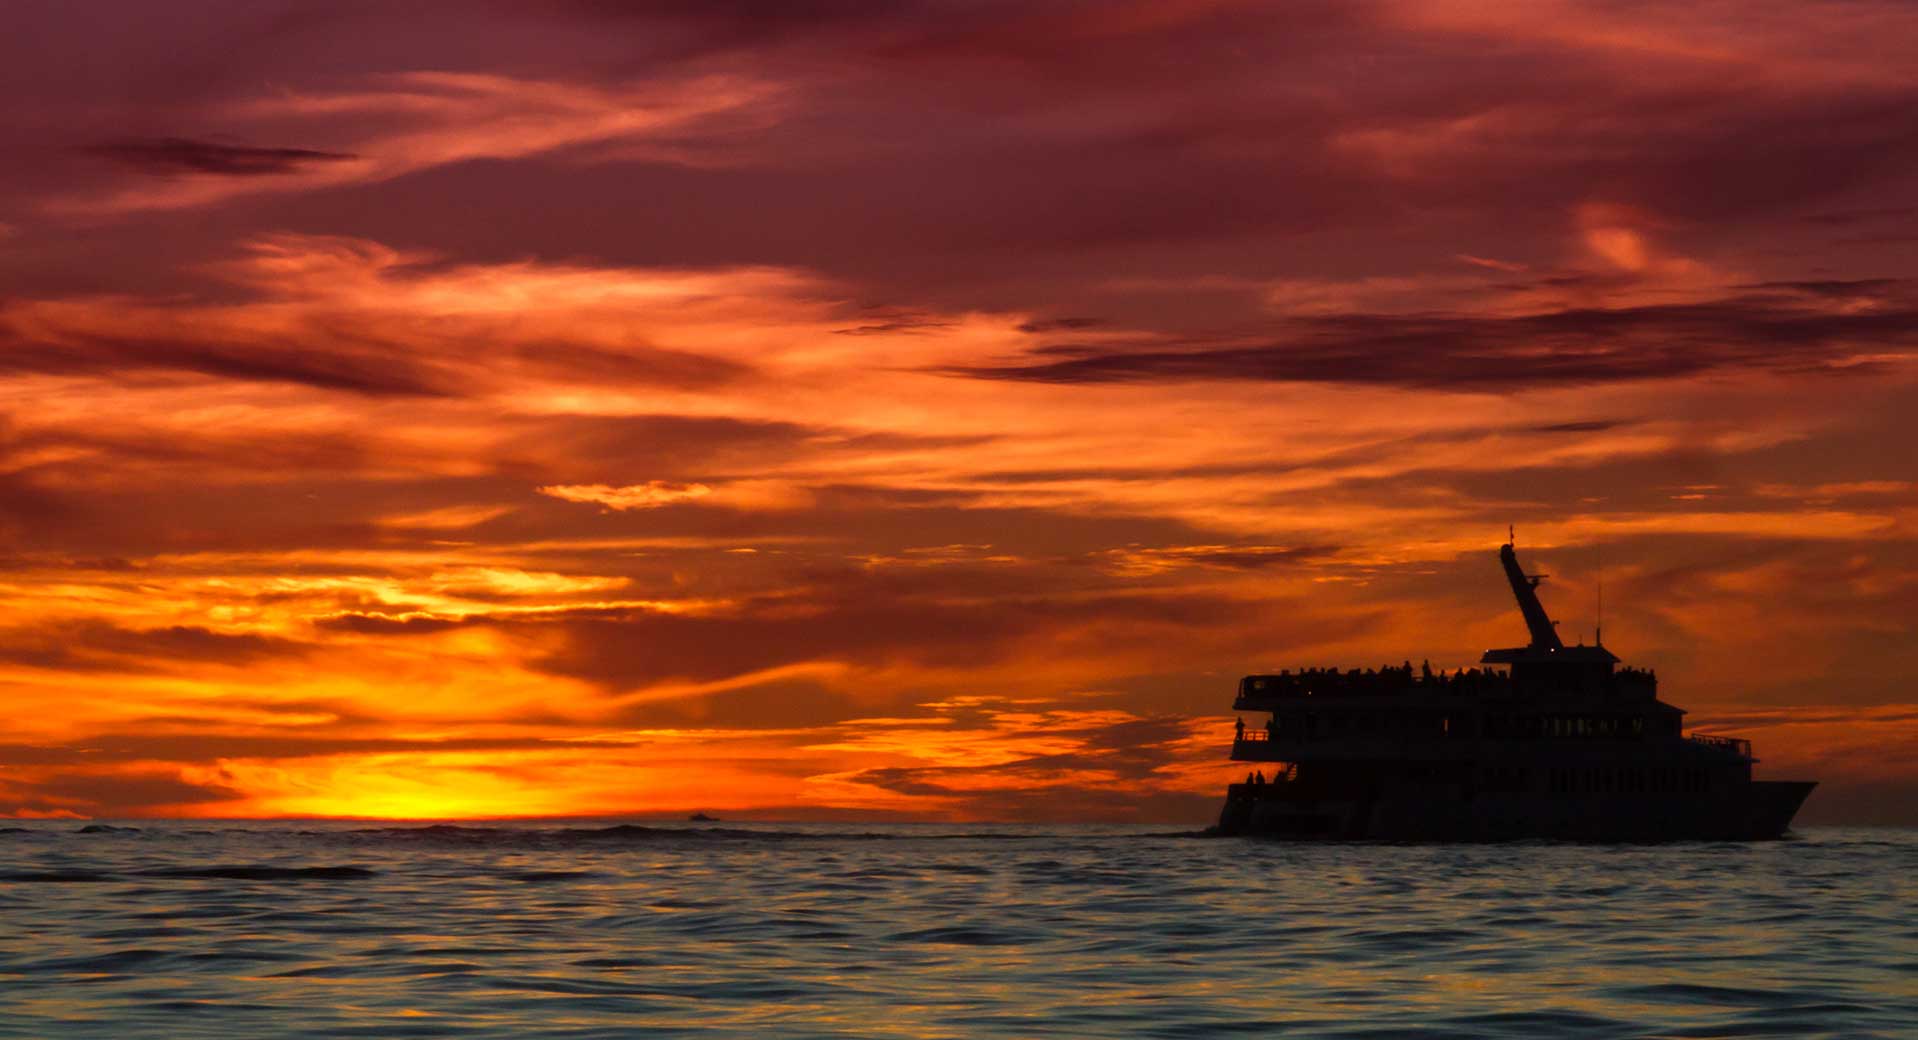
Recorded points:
(1599, 637)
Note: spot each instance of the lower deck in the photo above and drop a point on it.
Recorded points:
(1732, 812)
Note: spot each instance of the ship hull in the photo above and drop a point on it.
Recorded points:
(1758, 811)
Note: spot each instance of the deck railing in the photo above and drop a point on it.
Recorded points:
(1741, 748)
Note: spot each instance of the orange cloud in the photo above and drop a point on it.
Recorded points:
(650, 495)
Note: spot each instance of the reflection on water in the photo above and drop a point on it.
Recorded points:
(264, 930)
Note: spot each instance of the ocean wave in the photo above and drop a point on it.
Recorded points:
(495, 932)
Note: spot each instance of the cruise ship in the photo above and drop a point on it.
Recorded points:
(1543, 741)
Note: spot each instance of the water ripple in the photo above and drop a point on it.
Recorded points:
(612, 930)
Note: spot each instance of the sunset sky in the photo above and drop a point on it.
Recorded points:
(927, 409)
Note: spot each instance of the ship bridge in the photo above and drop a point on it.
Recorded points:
(1546, 664)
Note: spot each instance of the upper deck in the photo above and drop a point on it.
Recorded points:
(1379, 687)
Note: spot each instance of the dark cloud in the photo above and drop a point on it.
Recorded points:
(1228, 557)
(100, 646)
(1468, 352)
(1580, 426)
(616, 450)
(1127, 758)
(387, 624)
(632, 366)
(347, 362)
(112, 794)
(1059, 325)
(169, 156)
(892, 326)
(314, 365)
(1848, 288)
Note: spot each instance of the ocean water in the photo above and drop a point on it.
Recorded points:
(593, 930)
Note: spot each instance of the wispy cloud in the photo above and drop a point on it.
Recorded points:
(650, 495)
(403, 123)
(172, 156)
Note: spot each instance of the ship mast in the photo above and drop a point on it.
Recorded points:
(1525, 588)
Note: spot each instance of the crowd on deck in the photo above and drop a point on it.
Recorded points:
(1393, 678)
(1386, 679)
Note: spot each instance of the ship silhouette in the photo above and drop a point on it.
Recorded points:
(1561, 743)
